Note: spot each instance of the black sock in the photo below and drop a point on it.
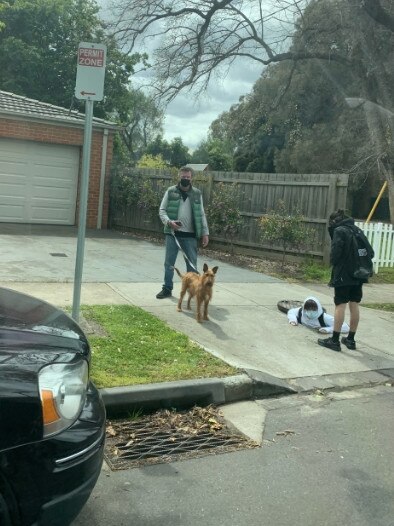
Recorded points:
(335, 336)
(350, 336)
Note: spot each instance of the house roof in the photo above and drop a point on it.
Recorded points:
(198, 167)
(12, 105)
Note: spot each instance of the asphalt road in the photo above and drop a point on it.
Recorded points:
(326, 460)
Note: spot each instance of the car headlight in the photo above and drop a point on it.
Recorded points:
(62, 392)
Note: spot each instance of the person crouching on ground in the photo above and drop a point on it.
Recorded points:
(183, 216)
(313, 316)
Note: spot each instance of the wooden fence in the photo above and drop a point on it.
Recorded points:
(315, 196)
(381, 237)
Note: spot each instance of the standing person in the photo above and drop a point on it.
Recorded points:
(182, 213)
(347, 288)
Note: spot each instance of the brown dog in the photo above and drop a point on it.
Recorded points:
(199, 286)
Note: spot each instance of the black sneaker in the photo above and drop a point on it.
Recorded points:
(350, 344)
(330, 344)
(164, 293)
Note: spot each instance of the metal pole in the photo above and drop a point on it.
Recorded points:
(83, 205)
(376, 202)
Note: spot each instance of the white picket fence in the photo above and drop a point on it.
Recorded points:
(381, 237)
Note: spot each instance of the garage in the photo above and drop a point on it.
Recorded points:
(38, 182)
(41, 149)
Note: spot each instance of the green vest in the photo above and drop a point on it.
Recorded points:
(174, 199)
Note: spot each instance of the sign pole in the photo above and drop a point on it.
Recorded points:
(89, 86)
(83, 205)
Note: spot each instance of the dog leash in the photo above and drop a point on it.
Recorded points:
(183, 252)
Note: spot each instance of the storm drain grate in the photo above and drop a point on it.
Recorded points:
(58, 254)
(155, 440)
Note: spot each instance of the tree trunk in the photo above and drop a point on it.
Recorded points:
(390, 187)
(380, 123)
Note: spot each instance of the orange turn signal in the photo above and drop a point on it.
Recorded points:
(48, 407)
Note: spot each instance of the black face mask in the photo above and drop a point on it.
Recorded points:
(185, 182)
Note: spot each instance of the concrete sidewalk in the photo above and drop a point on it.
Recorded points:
(245, 329)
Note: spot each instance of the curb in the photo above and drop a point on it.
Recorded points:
(187, 393)
(342, 381)
(249, 385)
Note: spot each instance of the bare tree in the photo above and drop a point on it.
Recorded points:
(142, 120)
(196, 39)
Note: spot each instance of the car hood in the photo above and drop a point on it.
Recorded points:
(33, 334)
(23, 312)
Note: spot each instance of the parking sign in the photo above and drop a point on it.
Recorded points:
(90, 71)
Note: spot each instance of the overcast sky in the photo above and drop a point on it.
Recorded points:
(219, 98)
(190, 119)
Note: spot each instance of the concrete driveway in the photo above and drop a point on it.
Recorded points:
(245, 328)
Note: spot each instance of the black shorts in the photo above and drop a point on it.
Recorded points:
(346, 294)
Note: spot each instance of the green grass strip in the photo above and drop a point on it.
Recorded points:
(139, 348)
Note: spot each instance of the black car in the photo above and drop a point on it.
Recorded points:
(52, 418)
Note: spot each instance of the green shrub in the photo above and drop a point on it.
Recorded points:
(286, 230)
(152, 161)
(224, 216)
(137, 190)
(150, 195)
(125, 191)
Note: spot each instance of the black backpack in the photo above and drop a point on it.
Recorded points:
(362, 254)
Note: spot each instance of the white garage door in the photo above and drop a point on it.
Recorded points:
(38, 182)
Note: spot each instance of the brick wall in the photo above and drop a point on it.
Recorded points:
(73, 136)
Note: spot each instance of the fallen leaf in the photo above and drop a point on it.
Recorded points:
(286, 432)
(111, 431)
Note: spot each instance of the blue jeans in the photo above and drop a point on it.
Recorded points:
(189, 246)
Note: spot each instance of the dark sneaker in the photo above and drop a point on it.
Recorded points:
(350, 344)
(330, 344)
(164, 293)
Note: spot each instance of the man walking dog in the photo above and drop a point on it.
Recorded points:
(183, 216)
